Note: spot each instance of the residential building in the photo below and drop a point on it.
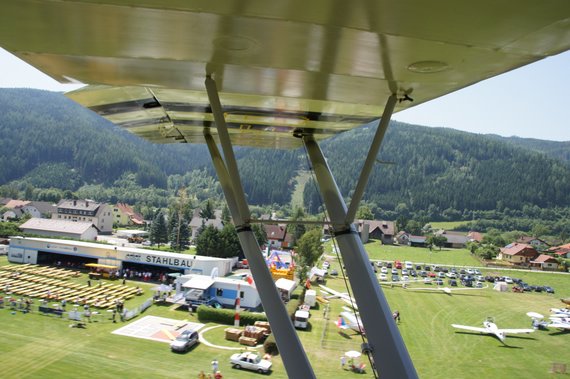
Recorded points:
(475, 237)
(545, 262)
(562, 251)
(518, 253)
(379, 230)
(537, 243)
(197, 222)
(124, 214)
(19, 208)
(276, 235)
(99, 214)
(403, 238)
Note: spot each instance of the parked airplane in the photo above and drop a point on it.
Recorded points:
(446, 290)
(339, 295)
(350, 320)
(558, 321)
(489, 327)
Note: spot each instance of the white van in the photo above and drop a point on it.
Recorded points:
(301, 319)
(408, 265)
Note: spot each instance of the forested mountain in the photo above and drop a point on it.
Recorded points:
(48, 143)
(554, 149)
(437, 169)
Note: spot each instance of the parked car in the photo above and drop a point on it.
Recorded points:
(184, 341)
(548, 289)
(439, 282)
(389, 265)
(333, 272)
(250, 361)
(453, 282)
(384, 270)
(383, 277)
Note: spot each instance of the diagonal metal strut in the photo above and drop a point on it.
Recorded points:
(386, 345)
(294, 358)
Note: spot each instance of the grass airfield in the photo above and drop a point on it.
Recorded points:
(39, 346)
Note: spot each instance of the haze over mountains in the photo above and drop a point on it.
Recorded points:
(47, 141)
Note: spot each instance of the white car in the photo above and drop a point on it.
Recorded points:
(384, 270)
(508, 280)
(383, 277)
(250, 361)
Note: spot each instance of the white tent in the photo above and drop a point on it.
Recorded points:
(501, 286)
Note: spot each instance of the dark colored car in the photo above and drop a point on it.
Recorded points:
(184, 341)
(389, 265)
(548, 289)
(453, 282)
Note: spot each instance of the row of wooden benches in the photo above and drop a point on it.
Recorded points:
(102, 296)
(51, 272)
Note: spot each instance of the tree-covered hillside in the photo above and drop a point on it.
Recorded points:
(439, 170)
(51, 147)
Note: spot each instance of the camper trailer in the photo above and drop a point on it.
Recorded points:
(203, 289)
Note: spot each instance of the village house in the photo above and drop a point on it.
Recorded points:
(545, 262)
(562, 251)
(475, 237)
(89, 211)
(383, 231)
(277, 236)
(403, 238)
(19, 208)
(124, 214)
(197, 222)
(518, 254)
(537, 243)
(60, 228)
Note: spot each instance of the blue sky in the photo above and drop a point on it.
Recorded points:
(530, 102)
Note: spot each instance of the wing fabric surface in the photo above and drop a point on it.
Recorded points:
(283, 68)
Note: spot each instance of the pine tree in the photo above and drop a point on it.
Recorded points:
(158, 230)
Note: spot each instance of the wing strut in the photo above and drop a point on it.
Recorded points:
(386, 345)
(294, 358)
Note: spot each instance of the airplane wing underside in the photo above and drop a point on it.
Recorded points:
(470, 328)
(515, 331)
(282, 68)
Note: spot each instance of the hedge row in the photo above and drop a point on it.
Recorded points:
(226, 316)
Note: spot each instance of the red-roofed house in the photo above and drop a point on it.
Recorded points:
(562, 251)
(276, 235)
(518, 253)
(475, 237)
(124, 214)
(545, 262)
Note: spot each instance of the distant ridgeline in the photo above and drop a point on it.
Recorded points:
(51, 145)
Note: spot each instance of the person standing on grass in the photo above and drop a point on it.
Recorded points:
(215, 365)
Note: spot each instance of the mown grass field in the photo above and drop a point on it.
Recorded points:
(38, 346)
